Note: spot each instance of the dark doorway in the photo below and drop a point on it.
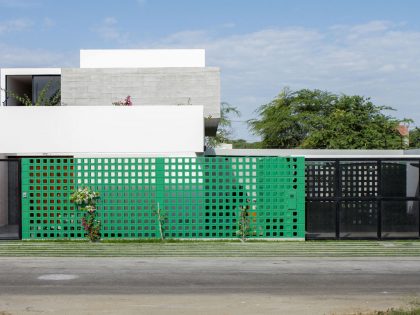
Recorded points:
(10, 201)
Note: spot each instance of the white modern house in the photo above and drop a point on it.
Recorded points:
(175, 103)
(151, 155)
(175, 98)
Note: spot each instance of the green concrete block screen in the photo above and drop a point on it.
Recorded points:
(200, 197)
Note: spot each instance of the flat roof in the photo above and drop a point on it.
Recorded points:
(142, 58)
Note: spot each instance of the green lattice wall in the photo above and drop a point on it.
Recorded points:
(200, 196)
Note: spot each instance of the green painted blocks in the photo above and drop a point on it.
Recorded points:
(46, 210)
(200, 197)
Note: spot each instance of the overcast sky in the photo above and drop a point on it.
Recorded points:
(369, 47)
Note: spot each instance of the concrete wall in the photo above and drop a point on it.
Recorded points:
(4, 208)
(141, 58)
(153, 86)
(40, 130)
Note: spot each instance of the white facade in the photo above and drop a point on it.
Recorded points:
(117, 130)
(142, 58)
(171, 78)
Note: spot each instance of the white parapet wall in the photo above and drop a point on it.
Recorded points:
(158, 130)
(142, 58)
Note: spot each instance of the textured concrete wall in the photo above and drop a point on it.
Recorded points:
(146, 86)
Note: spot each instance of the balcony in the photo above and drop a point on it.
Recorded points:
(47, 130)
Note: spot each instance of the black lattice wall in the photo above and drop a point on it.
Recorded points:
(362, 198)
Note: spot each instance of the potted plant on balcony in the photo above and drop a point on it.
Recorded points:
(125, 102)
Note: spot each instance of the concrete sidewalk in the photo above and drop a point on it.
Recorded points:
(211, 249)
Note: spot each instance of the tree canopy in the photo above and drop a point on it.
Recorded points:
(320, 119)
(415, 138)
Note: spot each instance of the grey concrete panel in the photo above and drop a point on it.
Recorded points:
(146, 86)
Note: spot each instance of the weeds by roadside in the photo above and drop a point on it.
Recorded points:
(414, 310)
(397, 312)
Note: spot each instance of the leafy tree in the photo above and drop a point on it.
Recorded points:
(414, 138)
(320, 119)
(224, 130)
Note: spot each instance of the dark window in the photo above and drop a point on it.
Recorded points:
(39, 82)
(30, 87)
(19, 85)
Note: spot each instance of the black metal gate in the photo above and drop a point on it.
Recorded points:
(10, 199)
(362, 198)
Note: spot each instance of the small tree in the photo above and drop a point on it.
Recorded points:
(161, 217)
(85, 200)
(244, 223)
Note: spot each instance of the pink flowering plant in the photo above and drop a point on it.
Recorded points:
(124, 102)
(85, 200)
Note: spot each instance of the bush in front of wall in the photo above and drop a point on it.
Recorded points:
(85, 200)
(244, 223)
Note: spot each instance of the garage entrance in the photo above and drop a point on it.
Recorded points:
(10, 201)
(362, 198)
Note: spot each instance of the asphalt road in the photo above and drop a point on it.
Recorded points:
(358, 281)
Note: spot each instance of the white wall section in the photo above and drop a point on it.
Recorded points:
(141, 58)
(101, 129)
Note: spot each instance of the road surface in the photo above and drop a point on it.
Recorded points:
(206, 285)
